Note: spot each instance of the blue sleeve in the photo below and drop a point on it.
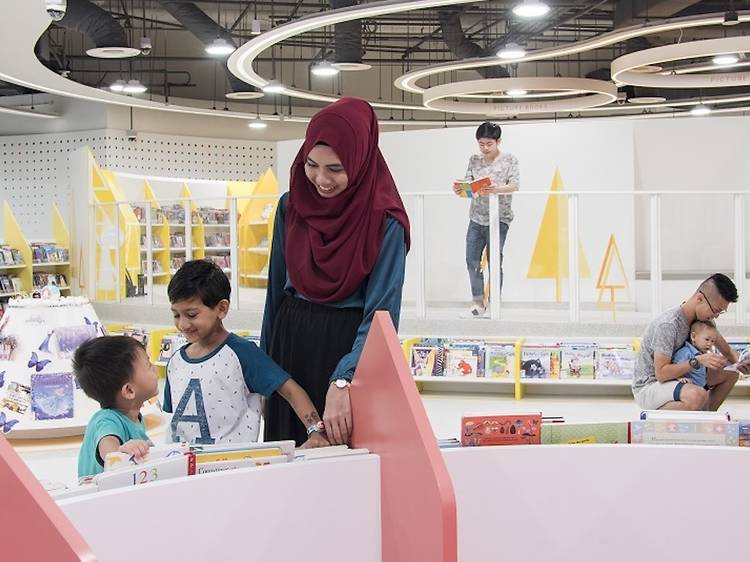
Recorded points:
(276, 276)
(262, 375)
(383, 292)
(682, 354)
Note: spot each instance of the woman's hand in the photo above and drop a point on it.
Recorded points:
(488, 190)
(315, 440)
(338, 415)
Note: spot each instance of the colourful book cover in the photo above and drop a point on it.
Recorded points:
(499, 360)
(585, 433)
(52, 396)
(540, 362)
(472, 188)
(461, 363)
(577, 361)
(615, 363)
(476, 348)
(510, 429)
(675, 432)
(17, 397)
(425, 361)
(744, 433)
(201, 458)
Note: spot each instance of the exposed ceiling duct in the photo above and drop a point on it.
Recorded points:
(463, 48)
(95, 23)
(206, 30)
(347, 37)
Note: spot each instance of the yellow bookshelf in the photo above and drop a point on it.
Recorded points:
(160, 231)
(255, 231)
(61, 239)
(14, 238)
(198, 231)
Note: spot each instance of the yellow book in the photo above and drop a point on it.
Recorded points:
(237, 455)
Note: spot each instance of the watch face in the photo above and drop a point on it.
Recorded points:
(341, 383)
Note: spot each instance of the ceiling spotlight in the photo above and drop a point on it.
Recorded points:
(324, 68)
(531, 9)
(117, 86)
(220, 47)
(273, 87)
(726, 59)
(516, 92)
(730, 18)
(511, 51)
(700, 109)
(255, 27)
(134, 87)
(257, 123)
(146, 46)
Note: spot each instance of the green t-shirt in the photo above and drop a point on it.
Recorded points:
(106, 422)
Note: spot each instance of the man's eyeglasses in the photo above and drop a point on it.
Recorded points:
(708, 302)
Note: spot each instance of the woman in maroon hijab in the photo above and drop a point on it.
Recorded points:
(339, 250)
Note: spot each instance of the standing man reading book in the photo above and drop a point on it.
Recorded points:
(502, 169)
(657, 384)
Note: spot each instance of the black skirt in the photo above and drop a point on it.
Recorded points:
(308, 340)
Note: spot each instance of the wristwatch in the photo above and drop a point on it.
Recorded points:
(316, 428)
(694, 363)
(342, 383)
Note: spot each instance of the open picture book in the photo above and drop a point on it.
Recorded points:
(472, 188)
(742, 361)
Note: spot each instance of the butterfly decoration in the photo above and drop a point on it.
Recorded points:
(2, 379)
(36, 363)
(44, 346)
(95, 324)
(6, 424)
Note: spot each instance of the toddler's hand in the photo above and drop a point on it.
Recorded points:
(135, 447)
(315, 440)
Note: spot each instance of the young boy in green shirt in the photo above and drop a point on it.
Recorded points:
(116, 372)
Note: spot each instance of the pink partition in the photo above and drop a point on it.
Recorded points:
(418, 506)
(32, 526)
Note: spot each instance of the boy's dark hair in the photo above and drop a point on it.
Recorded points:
(199, 278)
(103, 366)
(722, 284)
(701, 324)
(489, 130)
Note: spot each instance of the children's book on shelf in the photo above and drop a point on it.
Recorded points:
(577, 361)
(586, 433)
(475, 348)
(509, 429)
(460, 363)
(152, 471)
(499, 360)
(170, 343)
(427, 361)
(744, 433)
(52, 396)
(10, 256)
(8, 345)
(48, 253)
(211, 215)
(615, 363)
(540, 362)
(472, 188)
(685, 432)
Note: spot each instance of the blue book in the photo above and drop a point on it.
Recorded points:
(52, 396)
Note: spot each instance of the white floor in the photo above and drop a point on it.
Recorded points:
(58, 464)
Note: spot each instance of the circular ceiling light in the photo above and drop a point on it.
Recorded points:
(117, 86)
(257, 124)
(700, 110)
(595, 93)
(624, 68)
(273, 87)
(648, 69)
(516, 92)
(134, 87)
(531, 9)
(511, 51)
(324, 68)
(249, 95)
(725, 59)
(646, 99)
(351, 66)
(113, 52)
(220, 47)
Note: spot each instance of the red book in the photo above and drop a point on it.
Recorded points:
(509, 429)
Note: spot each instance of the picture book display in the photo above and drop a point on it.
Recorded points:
(577, 361)
(472, 188)
(52, 396)
(510, 429)
(499, 360)
(540, 362)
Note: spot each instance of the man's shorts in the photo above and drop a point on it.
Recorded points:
(653, 396)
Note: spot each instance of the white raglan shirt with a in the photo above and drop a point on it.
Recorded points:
(218, 398)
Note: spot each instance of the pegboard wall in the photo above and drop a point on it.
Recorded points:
(36, 173)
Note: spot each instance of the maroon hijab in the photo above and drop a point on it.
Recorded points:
(331, 244)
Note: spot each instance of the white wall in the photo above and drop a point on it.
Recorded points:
(623, 155)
